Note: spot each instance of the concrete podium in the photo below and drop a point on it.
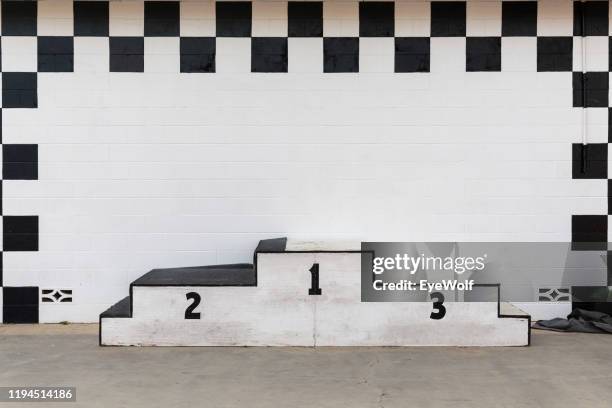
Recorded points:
(273, 302)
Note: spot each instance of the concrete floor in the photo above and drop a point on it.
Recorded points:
(558, 370)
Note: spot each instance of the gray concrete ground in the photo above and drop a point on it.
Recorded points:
(558, 370)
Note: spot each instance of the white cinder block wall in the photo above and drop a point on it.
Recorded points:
(160, 168)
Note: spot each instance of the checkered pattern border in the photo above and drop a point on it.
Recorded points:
(270, 54)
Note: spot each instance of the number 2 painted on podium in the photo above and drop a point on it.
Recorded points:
(189, 314)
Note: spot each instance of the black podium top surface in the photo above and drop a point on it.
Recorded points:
(211, 275)
(242, 274)
(119, 309)
(272, 245)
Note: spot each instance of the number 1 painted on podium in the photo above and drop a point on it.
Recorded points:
(314, 280)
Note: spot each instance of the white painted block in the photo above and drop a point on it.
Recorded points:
(447, 55)
(400, 324)
(597, 125)
(19, 54)
(483, 18)
(342, 319)
(376, 55)
(545, 310)
(269, 19)
(412, 19)
(280, 312)
(55, 18)
(233, 55)
(91, 55)
(126, 18)
(229, 317)
(69, 312)
(519, 54)
(340, 19)
(198, 19)
(316, 245)
(610, 14)
(596, 56)
(162, 54)
(555, 18)
(305, 55)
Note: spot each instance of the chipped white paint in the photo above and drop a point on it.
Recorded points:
(294, 245)
(279, 312)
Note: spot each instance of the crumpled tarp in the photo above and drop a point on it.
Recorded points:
(580, 320)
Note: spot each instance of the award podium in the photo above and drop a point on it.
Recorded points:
(295, 294)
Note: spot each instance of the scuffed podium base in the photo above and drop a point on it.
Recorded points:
(268, 304)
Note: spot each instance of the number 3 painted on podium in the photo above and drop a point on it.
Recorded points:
(439, 310)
